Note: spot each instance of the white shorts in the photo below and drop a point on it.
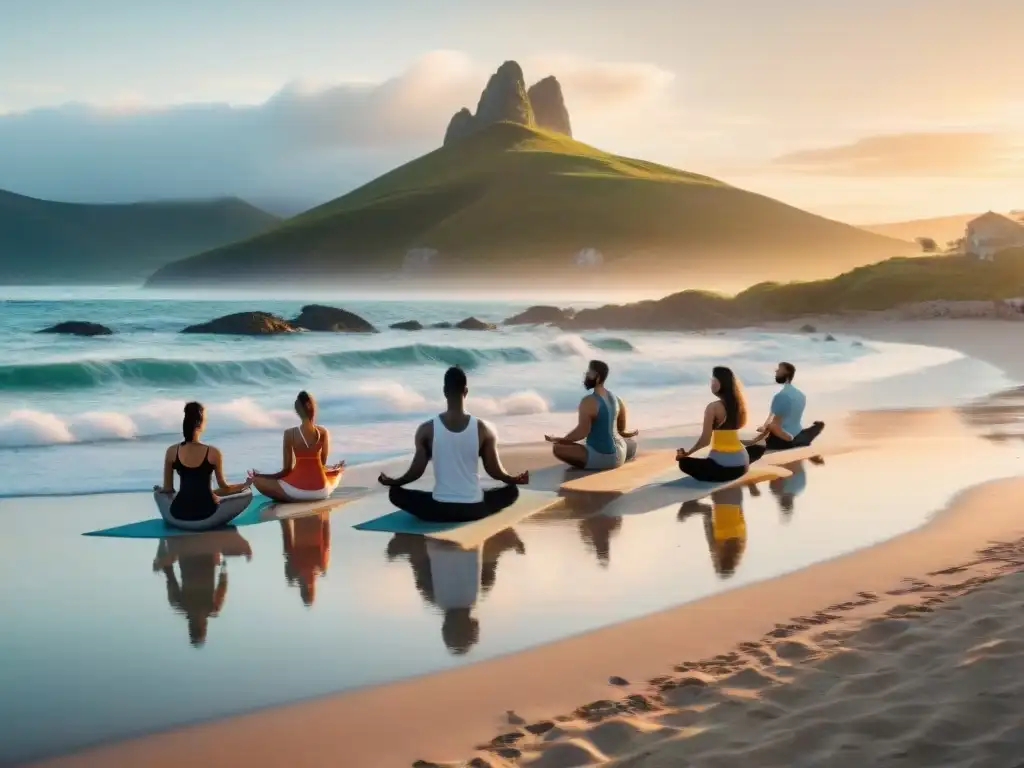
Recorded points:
(301, 494)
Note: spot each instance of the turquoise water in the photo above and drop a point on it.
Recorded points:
(91, 415)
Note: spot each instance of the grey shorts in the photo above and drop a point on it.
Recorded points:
(597, 461)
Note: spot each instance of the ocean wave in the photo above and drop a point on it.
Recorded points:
(612, 344)
(369, 402)
(94, 374)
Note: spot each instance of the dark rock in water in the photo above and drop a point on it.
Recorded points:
(244, 324)
(78, 328)
(459, 127)
(830, 337)
(857, 344)
(540, 314)
(808, 329)
(316, 317)
(472, 324)
(549, 106)
(407, 325)
(616, 680)
(442, 326)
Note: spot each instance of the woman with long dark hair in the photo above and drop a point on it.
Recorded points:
(305, 474)
(195, 505)
(724, 417)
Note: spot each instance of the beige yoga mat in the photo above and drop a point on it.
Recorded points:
(477, 532)
(660, 466)
(683, 489)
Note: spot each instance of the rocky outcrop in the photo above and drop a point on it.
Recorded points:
(245, 324)
(459, 127)
(689, 310)
(548, 104)
(505, 99)
(472, 324)
(316, 317)
(540, 315)
(408, 325)
(78, 328)
(442, 326)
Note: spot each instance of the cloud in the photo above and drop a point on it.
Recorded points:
(603, 85)
(308, 140)
(962, 154)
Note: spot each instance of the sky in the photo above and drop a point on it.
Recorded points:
(861, 110)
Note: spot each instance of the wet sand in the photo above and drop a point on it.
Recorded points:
(886, 654)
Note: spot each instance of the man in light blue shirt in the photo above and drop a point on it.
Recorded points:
(784, 428)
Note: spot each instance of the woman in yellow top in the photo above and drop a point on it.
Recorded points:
(724, 417)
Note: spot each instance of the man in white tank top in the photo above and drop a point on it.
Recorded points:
(456, 442)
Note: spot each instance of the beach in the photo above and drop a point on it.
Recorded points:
(789, 669)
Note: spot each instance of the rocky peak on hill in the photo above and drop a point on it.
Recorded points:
(506, 99)
(549, 105)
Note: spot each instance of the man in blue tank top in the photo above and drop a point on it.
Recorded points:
(601, 425)
(784, 429)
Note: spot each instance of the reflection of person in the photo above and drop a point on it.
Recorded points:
(456, 442)
(450, 578)
(726, 530)
(602, 425)
(596, 533)
(305, 473)
(307, 552)
(201, 592)
(786, 489)
(784, 428)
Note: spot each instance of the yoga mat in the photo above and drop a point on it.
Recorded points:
(682, 489)
(622, 479)
(260, 510)
(465, 534)
(661, 467)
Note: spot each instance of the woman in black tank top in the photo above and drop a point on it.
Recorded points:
(196, 464)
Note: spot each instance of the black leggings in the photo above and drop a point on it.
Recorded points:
(421, 504)
(710, 471)
(801, 440)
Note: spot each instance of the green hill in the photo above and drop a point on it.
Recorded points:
(520, 203)
(49, 242)
(516, 202)
(887, 285)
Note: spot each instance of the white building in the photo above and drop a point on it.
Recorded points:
(990, 233)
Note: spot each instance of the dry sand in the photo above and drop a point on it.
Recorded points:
(877, 656)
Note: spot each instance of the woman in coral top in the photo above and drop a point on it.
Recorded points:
(305, 475)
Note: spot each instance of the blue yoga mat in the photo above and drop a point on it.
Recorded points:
(403, 522)
(156, 528)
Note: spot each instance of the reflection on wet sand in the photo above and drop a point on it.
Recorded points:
(596, 531)
(307, 552)
(202, 589)
(725, 526)
(726, 530)
(450, 578)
